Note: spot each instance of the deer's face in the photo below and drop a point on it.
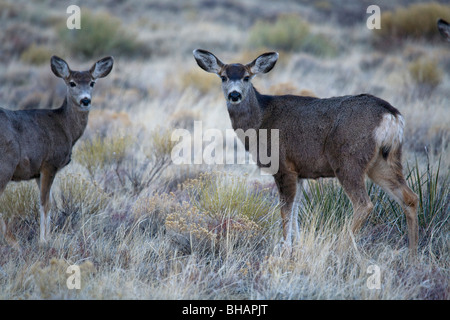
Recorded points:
(235, 77)
(235, 82)
(80, 83)
(79, 88)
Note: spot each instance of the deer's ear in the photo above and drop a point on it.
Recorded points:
(444, 28)
(59, 67)
(207, 61)
(264, 63)
(102, 67)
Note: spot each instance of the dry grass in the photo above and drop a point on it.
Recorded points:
(141, 227)
(426, 74)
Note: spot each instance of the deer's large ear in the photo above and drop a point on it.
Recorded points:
(207, 61)
(264, 63)
(102, 67)
(59, 67)
(444, 28)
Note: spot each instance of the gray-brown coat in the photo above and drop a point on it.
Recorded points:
(346, 137)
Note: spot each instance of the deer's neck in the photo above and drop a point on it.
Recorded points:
(248, 114)
(73, 120)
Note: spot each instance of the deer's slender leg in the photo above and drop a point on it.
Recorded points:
(287, 188)
(389, 176)
(355, 189)
(46, 181)
(295, 208)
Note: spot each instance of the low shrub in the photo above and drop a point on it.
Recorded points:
(193, 230)
(202, 81)
(100, 34)
(426, 74)
(122, 164)
(157, 157)
(47, 281)
(100, 152)
(219, 193)
(150, 212)
(289, 33)
(36, 55)
(286, 33)
(417, 21)
(222, 213)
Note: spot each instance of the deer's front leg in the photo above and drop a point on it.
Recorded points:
(287, 188)
(45, 183)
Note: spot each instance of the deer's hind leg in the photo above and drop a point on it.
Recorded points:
(352, 180)
(389, 176)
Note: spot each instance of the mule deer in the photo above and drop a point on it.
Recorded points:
(444, 28)
(346, 137)
(35, 144)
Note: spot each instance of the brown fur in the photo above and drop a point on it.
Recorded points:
(35, 144)
(346, 137)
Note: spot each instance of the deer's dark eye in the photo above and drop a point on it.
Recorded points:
(72, 84)
(92, 84)
(246, 79)
(223, 78)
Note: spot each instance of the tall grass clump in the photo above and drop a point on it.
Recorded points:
(100, 34)
(433, 188)
(20, 200)
(19, 211)
(290, 33)
(77, 198)
(326, 207)
(417, 21)
(325, 204)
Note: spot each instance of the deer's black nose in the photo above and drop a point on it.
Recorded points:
(85, 102)
(234, 96)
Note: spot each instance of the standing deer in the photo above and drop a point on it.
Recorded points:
(35, 144)
(444, 29)
(346, 137)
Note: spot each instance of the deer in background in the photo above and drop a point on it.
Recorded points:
(444, 28)
(346, 137)
(36, 144)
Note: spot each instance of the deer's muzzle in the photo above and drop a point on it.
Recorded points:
(85, 102)
(234, 97)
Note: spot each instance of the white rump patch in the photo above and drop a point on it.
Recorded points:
(390, 131)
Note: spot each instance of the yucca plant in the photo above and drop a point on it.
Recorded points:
(325, 203)
(434, 197)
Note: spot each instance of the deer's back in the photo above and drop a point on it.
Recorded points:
(314, 132)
